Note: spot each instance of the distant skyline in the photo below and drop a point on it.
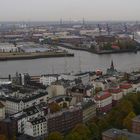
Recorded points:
(54, 10)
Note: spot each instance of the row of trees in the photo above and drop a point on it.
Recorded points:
(123, 44)
(119, 117)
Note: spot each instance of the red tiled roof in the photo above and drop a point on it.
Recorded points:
(125, 86)
(102, 95)
(115, 90)
(115, 47)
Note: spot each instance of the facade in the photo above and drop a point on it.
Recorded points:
(7, 47)
(117, 94)
(105, 39)
(2, 111)
(48, 79)
(89, 110)
(7, 128)
(64, 121)
(14, 103)
(56, 90)
(136, 125)
(126, 87)
(36, 127)
(114, 134)
(84, 77)
(104, 101)
(23, 116)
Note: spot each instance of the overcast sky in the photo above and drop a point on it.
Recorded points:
(46, 10)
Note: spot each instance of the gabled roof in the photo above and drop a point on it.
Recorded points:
(102, 95)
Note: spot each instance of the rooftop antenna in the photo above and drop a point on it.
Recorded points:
(100, 29)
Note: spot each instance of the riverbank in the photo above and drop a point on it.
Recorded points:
(69, 46)
(36, 55)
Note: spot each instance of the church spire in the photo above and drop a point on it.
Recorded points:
(112, 65)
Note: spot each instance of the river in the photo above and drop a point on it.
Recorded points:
(82, 61)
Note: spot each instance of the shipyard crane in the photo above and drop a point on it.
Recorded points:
(125, 28)
(108, 29)
(100, 29)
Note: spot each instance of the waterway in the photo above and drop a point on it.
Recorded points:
(82, 61)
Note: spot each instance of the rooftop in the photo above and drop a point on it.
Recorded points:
(38, 120)
(114, 133)
(136, 119)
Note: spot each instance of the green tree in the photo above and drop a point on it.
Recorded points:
(103, 124)
(55, 136)
(127, 122)
(82, 130)
(122, 137)
(73, 136)
(3, 137)
(65, 105)
(98, 89)
(94, 129)
(54, 107)
(125, 107)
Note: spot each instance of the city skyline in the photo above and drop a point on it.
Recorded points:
(54, 10)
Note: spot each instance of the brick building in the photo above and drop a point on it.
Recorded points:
(64, 121)
(104, 101)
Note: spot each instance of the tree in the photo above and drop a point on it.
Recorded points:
(73, 136)
(125, 107)
(65, 105)
(117, 115)
(3, 137)
(98, 89)
(54, 107)
(122, 137)
(82, 130)
(94, 129)
(103, 124)
(127, 122)
(55, 136)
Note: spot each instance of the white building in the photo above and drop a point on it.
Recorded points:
(17, 102)
(2, 111)
(85, 78)
(36, 127)
(23, 116)
(7, 47)
(56, 90)
(48, 79)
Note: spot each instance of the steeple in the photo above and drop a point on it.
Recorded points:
(112, 65)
